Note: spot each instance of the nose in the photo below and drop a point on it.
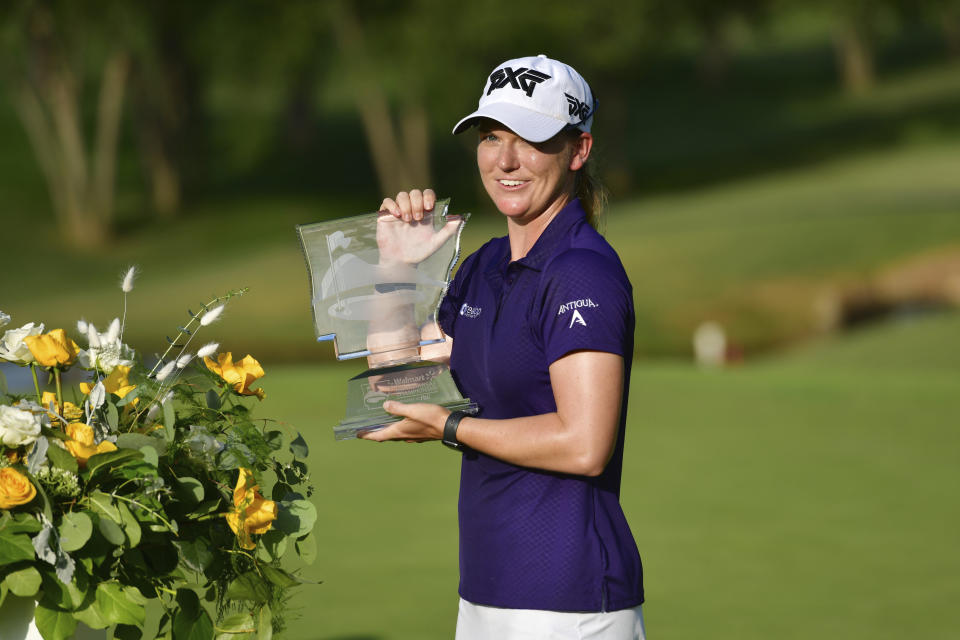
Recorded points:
(508, 159)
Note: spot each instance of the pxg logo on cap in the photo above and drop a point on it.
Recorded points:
(523, 78)
(535, 97)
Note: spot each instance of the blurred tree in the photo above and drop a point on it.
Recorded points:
(413, 67)
(399, 146)
(947, 13)
(853, 42)
(167, 107)
(51, 47)
(710, 21)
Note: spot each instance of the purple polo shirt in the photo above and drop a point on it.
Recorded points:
(532, 539)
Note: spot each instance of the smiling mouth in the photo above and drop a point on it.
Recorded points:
(512, 183)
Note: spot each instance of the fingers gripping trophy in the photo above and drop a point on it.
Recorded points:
(376, 283)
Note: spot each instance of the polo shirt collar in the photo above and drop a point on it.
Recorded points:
(543, 248)
(559, 228)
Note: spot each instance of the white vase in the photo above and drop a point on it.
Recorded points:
(16, 622)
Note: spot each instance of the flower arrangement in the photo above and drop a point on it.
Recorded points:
(139, 488)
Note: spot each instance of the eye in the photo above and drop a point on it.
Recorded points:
(488, 137)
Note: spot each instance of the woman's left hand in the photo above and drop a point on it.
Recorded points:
(422, 422)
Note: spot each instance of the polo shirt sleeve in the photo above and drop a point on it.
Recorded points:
(587, 304)
(450, 304)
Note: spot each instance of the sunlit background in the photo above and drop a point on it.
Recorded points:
(785, 196)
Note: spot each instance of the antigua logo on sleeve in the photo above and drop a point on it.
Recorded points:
(575, 306)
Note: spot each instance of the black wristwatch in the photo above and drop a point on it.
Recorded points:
(450, 429)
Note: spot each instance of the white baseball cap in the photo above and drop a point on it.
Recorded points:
(535, 97)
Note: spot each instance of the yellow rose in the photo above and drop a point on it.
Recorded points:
(70, 410)
(238, 374)
(80, 445)
(117, 383)
(15, 488)
(252, 513)
(53, 349)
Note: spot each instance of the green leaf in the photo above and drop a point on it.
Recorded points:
(24, 583)
(279, 577)
(274, 543)
(15, 547)
(237, 623)
(19, 523)
(113, 417)
(169, 421)
(299, 447)
(111, 459)
(307, 548)
(127, 632)
(213, 399)
(92, 617)
(75, 530)
(61, 458)
(103, 504)
(150, 455)
(54, 594)
(296, 517)
(205, 509)
(265, 628)
(249, 586)
(191, 621)
(196, 554)
(111, 531)
(139, 441)
(120, 605)
(274, 439)
(189, 490)
(54, 624)
(130, 525)
(127, 399)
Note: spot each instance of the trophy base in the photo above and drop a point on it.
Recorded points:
(424, 381)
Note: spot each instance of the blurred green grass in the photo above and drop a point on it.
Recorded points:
(811, 495)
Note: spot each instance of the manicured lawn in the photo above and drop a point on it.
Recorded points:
(808, 496)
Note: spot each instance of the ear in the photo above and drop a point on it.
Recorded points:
(581, 151)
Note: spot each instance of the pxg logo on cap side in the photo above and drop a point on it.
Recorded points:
(577, 108)
(524, 79)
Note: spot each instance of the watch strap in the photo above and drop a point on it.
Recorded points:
(450, 429)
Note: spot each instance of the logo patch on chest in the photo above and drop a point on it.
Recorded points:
(470, 312)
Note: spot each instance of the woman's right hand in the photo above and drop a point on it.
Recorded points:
(405, 230)
(410, 205)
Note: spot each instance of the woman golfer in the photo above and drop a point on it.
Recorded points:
(541, 323)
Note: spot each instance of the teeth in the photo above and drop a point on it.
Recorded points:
(511, 183)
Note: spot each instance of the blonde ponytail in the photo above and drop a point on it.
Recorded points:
(593, 196)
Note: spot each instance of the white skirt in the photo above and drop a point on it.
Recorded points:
(478, 622)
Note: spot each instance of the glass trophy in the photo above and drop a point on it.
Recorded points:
(376, 284)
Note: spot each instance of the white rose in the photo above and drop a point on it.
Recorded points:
(105, 350)
(12, 346)
(18, 427)
(4, 319)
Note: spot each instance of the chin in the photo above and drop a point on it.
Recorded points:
(511, 208)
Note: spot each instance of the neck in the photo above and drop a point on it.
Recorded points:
(524, 233)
